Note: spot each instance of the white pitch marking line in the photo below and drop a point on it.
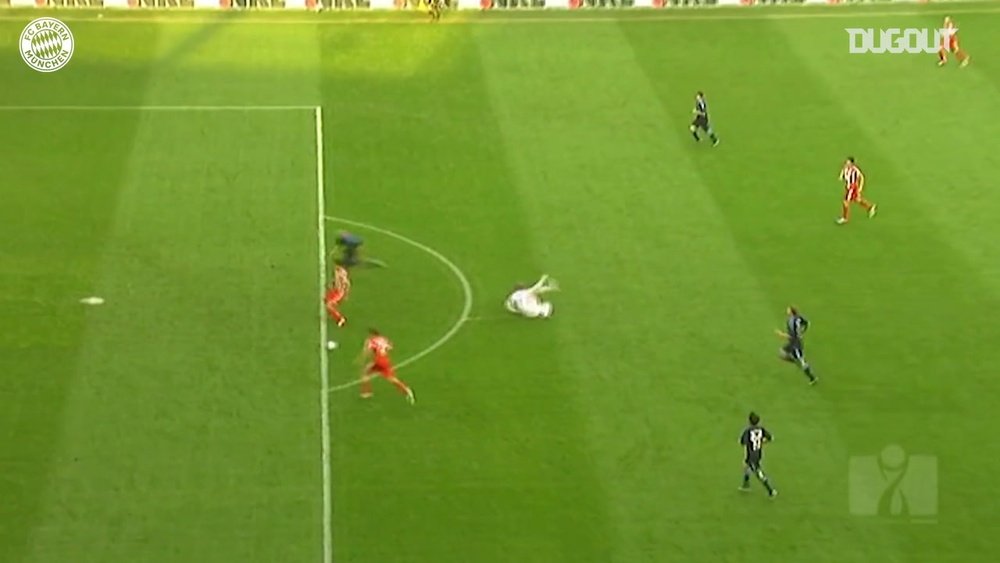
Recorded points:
(706, 14)
(324, 360)
(156, 108)
(463, 280)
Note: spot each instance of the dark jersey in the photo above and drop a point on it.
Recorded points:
(701, 108)
(349, 241)
(700, 114)
(796, 326)
(752, 440)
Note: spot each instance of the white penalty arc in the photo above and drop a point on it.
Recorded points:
(463, 281)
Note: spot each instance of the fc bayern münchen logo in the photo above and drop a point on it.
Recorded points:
(46, 44)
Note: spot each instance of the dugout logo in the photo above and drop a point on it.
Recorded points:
(46, 44)
(895, 40)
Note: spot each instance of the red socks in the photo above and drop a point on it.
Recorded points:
(335, 315)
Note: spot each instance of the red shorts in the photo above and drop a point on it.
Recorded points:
(384, 369)
(853, 193)
(334, 297)
(951, 44)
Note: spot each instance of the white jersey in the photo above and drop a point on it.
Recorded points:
(523, 299)
(527, 303)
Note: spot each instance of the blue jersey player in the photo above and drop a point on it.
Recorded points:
(794, 351)
(752, 439)
(349, 245)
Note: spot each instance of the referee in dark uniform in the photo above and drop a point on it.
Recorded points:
(701, 121)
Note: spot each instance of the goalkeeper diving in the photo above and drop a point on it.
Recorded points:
(528, 302)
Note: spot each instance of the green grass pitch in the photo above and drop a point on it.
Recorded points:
(182, 421)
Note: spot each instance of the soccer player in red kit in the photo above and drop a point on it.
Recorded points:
(375, 355)
(949, 44)
(854, 183)
(336, 293)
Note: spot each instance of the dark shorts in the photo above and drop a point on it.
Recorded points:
(348, 256)
(700, 122)
(794, 350)
(753, 461)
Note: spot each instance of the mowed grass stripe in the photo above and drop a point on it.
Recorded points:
(934, 274)
(752, 177)
(950, 122)
(656, 293)
(106, 69)
(57, 223)
(275, 67)
(491, 449)
(59, 197)
(866, 285)
(187, 434)
(200, 63)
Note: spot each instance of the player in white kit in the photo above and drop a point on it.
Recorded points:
(527, 301)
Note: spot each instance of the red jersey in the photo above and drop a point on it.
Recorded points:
(851, 175)
(949, 40)
(379, 347)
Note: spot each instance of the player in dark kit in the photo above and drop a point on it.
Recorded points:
(701, 120)
(793, 351)
(349, 245)
(753, 439)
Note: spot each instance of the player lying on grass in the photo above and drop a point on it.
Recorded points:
(375, 357)
(349, 245)
(527, 301)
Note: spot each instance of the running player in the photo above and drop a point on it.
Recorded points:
(753, 439)
(701, 119)
(854, 183)
(350, 245)
(336, 293)
(794, 351)
(375, 356)
(949, 44)
(527, 301)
